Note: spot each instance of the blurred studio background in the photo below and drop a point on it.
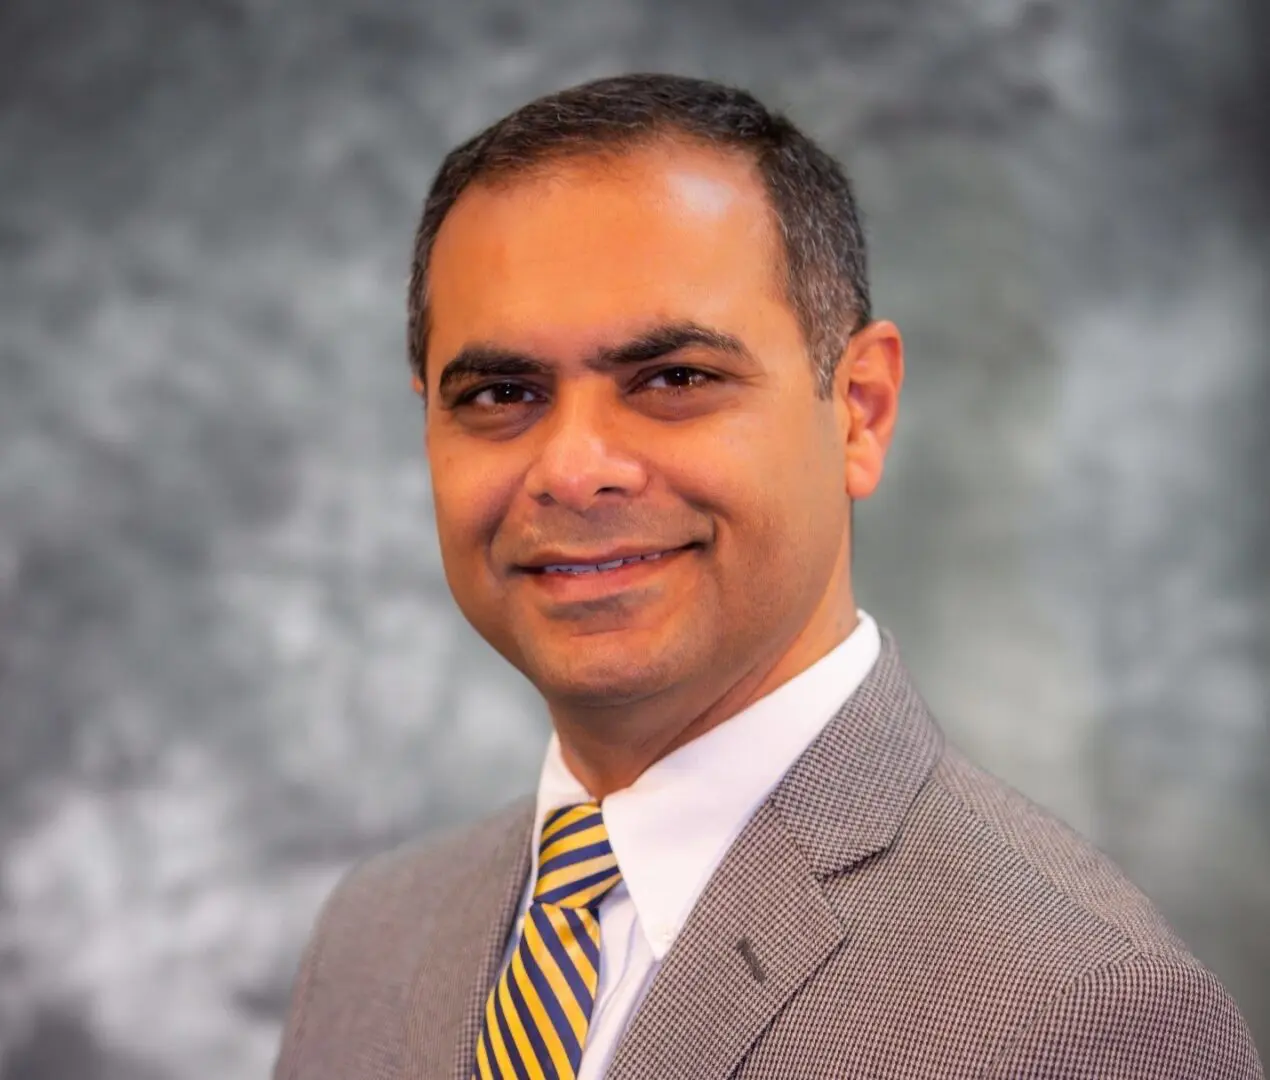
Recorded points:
(229, 663)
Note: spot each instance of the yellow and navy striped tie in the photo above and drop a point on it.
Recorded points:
(537, 1015)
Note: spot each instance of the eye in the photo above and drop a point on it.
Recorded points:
(677, 378)
(498, 395)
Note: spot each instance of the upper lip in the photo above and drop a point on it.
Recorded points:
(560, 558)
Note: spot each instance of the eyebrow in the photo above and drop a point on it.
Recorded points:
(484, 361)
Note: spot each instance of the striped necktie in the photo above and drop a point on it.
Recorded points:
(536, 1018)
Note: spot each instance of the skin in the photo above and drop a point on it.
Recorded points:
(548, 447)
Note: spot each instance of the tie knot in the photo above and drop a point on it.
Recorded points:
(576, 865)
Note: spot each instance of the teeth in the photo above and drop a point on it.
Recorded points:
(589, 568)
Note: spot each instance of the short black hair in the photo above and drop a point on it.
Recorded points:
(825, 269)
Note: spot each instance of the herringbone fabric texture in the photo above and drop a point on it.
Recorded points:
(891, 912)
(537, 1015)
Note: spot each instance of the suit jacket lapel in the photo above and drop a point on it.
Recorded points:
(765, 923)
(761, 927)
(468, 938)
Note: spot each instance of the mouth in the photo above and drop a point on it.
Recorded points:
(604, 566)
(573, 586)
(576, 569)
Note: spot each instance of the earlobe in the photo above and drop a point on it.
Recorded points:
(863, 463)
(863, 473)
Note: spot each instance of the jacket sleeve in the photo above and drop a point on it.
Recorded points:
(1150, 1017)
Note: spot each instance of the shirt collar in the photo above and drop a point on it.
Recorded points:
(716, 782)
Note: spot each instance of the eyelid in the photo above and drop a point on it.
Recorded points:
(664, 369)
(465, 397)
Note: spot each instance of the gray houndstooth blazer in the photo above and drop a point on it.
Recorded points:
(891, 911)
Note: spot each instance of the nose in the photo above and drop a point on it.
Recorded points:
(584, 455)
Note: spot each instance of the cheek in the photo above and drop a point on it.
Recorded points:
(781, 493)
(747, 495)
(770, 462)
(467, 512)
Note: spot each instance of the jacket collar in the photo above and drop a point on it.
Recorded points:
(766, 922)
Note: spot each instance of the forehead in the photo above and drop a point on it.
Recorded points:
(584, 249)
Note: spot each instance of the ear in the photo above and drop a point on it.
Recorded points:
(867, 395)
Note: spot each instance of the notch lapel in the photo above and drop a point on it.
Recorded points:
(764, 923)
(761, 927)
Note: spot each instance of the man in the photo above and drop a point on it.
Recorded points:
(641, 326)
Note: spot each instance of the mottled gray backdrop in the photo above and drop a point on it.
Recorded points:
(229, 664)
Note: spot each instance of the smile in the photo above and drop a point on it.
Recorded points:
(595, 568)
(601, 579)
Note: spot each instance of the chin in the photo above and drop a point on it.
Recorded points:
(599, 685)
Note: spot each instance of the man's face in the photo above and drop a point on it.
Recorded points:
(613, 371)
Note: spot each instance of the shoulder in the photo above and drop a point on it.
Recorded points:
(427, 864)
(1046, 867)
(1110, 988)
(1159, 1015)
(378, 924)
(406, 882)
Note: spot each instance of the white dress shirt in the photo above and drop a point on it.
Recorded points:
(716, 783)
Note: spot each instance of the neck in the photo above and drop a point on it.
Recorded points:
(608, 747)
